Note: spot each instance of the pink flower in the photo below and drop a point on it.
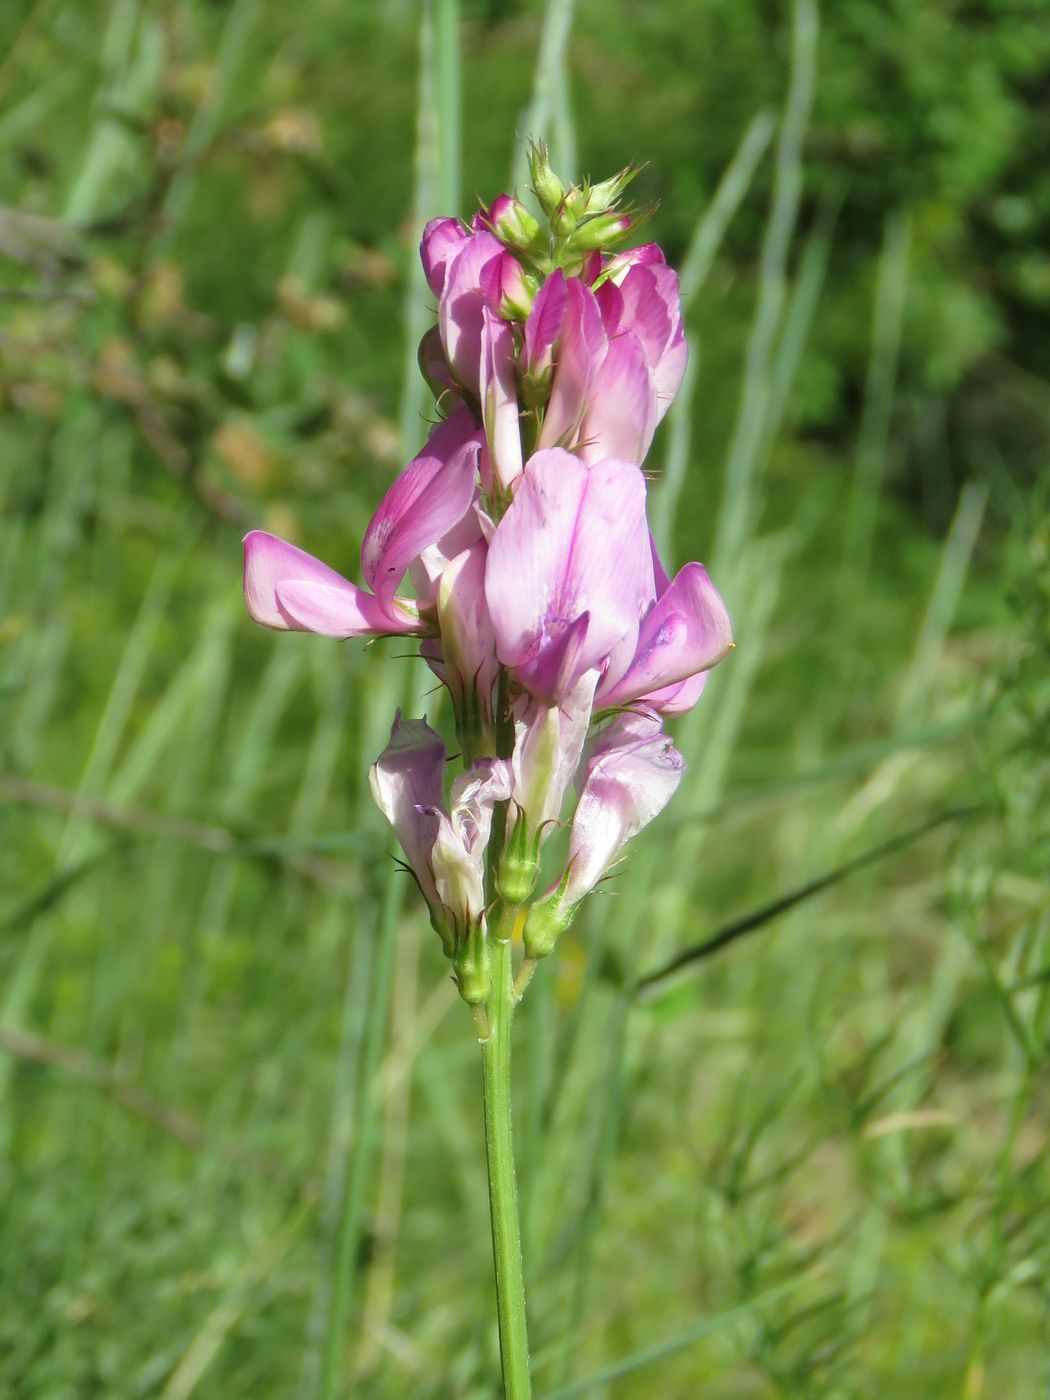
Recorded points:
(289, 590)
(581, 354)
(569, 572)
(631, 772)
(685, 632)
(644, 303)
(613, 359)
(442, 238)
(499, 399)
(462, 303)
(465, 657)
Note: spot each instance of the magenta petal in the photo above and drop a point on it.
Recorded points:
(649, 309)
(461, 305)
(432, 493)
(441, 239)
(619, 265)
(581, 363)
(544, 324)
(621, 417)
(573, 542)
(686, 631)
(557, 666)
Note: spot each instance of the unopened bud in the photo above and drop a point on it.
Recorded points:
(508, 288)
(602, 232)
(549, 189)
(520, 865)
(515, 227)
(606, 193)
(472, 961)
(545, 925)
(535, 389)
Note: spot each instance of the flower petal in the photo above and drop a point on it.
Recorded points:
(581, 365)
(573, 541)
(548, 743)
(442, 238)
(544, 324)
(458, 854)
(499, 398)
(407, 782)
(632, 771)
(289, 590)
(432, 493)
(461, 304)
(686, 631)
(621, 417)
(468, 642)
(345, 611)
(676, 699)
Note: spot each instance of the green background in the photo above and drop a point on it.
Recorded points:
(235, 1079)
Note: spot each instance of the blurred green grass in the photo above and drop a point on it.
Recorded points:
(239, 1099)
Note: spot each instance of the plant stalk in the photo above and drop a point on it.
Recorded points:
(503, 1191)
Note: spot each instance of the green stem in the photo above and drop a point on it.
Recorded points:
(503, 1191)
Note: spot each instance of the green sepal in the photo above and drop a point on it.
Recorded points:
(472, 960)
(519, 866)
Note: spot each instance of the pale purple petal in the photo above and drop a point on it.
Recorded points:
(407, 782)
(468, 641)
(427, 568)
(686, 631)
(632, 771)
(441, 239)
(432, 493)
(289, 590)
(573, 542)
(473, 799)
(676, 699)
(336, 612)
(499, 399)
(458, 854)
(645, 309)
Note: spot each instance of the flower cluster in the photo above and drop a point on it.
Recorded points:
(515, 546)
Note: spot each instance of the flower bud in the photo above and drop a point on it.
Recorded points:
(602, 232)
(548, 188)
(520, 865)
(508, 288)
(605, 195)
(545, 924)
(473, 964)
(515, 227)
